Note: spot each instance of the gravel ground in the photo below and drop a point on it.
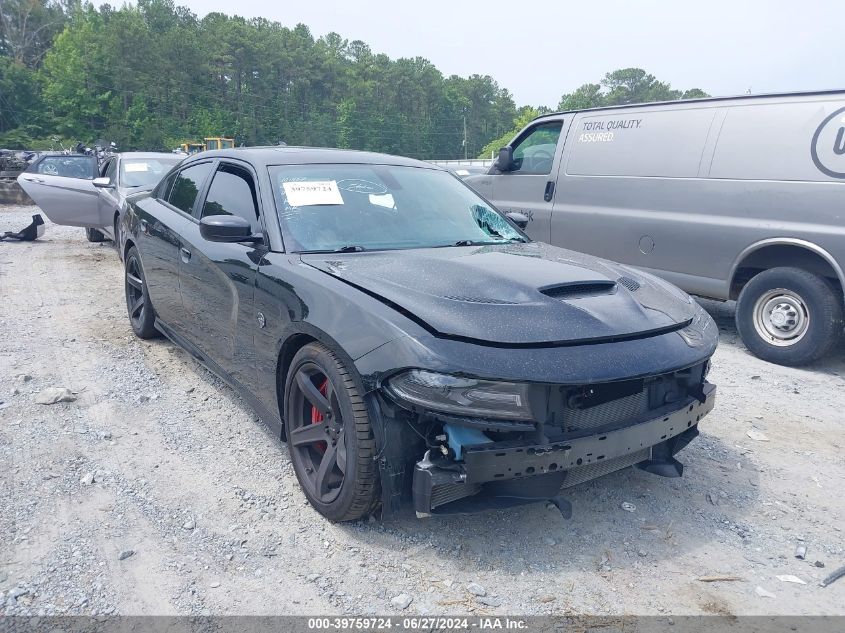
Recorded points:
(157, 491)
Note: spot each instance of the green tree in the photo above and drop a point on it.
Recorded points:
(587, 96)
(525, 116)
(624, 86)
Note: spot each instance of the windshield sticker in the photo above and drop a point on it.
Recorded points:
(135, 167)
(358, 185)
(312, 192)
(383, 200)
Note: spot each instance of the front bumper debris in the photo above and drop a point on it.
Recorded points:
(501, 474)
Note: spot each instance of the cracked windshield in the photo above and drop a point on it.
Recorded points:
(378, 207)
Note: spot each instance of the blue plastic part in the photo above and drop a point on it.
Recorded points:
(460, 436)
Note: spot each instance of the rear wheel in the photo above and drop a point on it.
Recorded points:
(141, 313)
(94, 235)
(329, 435)
(789, 316)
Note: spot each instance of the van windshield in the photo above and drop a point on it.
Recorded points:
(326, 208)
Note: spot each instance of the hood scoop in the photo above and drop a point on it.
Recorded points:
(579, 290)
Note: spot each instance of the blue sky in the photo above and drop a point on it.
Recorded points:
(541, 49)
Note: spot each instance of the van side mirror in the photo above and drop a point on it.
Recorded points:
(505, 160)
(520, 219)
(227, 228)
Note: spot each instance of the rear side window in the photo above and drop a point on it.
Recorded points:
(534, 153)
(232, 192)
(666, 143)
(187, 185)
(66, 166)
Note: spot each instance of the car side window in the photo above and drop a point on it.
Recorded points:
(232, 192)
(67, 166)
(186, 187)
(534, 152)
(161, 192)
(111, 170)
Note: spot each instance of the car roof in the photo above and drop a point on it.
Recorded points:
(151, 155)
(290, 155)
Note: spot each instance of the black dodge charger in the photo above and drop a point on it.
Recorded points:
(409, 341)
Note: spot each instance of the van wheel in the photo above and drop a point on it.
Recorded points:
(94, 235)
(789, 316)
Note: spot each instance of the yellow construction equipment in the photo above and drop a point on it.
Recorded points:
(192, 148)
(219, 142)
(211, 142)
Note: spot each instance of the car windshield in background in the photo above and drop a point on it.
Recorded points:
(145, 172)
(375, 207)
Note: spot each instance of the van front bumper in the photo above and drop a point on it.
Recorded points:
(501, 474)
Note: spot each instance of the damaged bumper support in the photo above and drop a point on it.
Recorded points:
(502, 474)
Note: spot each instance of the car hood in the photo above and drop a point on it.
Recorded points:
(514, 294)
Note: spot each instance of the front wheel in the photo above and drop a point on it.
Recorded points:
(789, 316)
(329, 435)
(94, 235)
(142, 316)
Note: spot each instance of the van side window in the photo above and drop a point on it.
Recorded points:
(187, 185)
(232, 192)
(534, 153)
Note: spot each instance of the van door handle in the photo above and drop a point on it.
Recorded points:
(185, 254)
(550, 191)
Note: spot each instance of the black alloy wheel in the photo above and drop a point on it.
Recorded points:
(138, 305)
(329, 435)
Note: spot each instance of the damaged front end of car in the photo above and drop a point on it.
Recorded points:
(486, 444)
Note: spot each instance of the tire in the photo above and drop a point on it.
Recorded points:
(789, 316)
(116, 233)
(333, 459)
(94, 235)
(141, 313)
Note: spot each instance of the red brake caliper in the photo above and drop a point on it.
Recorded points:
(317, 417)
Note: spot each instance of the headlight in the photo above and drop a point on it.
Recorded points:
(469, 397)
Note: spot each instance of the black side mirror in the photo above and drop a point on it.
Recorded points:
(505, 160)
(227, 228)
(520, 219)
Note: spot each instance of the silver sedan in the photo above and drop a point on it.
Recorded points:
(72, 190)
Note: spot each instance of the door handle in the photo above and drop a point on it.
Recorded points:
(550, 191)
(33, 179)
(185, 254)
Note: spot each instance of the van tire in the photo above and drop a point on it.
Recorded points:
(789, 316)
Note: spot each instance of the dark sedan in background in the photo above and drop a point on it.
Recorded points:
(407, 339)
